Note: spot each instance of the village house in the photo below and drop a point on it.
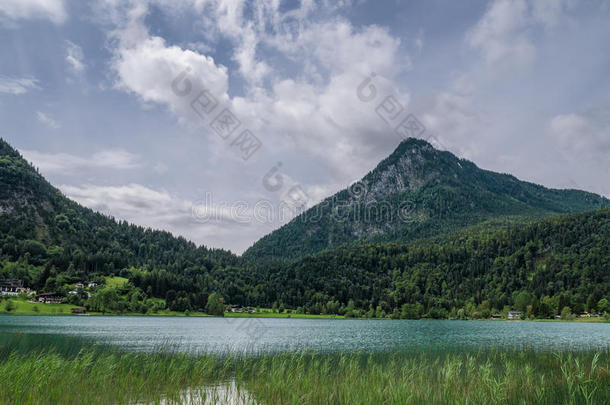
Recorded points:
(514, 315)
(11, 286)
(91, 284)
(49, 298)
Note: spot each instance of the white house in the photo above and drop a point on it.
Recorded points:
(11, 286)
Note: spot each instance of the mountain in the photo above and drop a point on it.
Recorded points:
(507, 258)
(557, 262)
(48, 240)
(417, 192)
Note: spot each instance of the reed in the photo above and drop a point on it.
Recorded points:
(43, 369)
(489, 376)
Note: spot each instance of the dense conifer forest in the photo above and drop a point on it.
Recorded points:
(540, 264)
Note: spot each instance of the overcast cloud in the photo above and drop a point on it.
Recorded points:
(113, 100)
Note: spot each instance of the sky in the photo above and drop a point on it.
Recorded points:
(219, 120)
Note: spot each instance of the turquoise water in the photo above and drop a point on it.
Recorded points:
(270, 335)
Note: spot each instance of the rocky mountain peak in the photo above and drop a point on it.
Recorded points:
(412, 165)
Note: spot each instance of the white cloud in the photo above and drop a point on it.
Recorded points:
(47, 120)
(145, 66)
(17, 85)
(53, 10)
(149, 67)
(65, 163)
(293, 82)
(340, 47)
(504, 33)
(316, 109)
(455, 122)
(464, 116)
(74, 57)
(551, 12)
(127, 201)
(159, 209)
(583, 134)
(501, 34)
(582, 142)
(135, 203)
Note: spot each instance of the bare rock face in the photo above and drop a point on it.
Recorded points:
(416, 192)
(407, 173)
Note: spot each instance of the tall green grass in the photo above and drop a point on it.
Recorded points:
(42, 369)
(47, 369)
(484, 377)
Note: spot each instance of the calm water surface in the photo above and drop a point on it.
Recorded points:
(271, 335)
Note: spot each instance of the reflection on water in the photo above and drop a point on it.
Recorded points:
(223, 394)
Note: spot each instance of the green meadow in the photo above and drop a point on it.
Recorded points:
(20, 306)
(46, 369)
(116, 281)
(24, 307)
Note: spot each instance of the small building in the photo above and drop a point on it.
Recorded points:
(78, 311)
(91, 284)
(585, 315)
(11, 286)
(496, 316)
(49, 298)
(79, 286)
(236, 308)
(514, 315)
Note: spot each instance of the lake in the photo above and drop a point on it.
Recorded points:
(255, 335)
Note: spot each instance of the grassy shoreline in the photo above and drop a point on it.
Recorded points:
(168, 313)
(29, 308)
(282, 316)
(48, 369)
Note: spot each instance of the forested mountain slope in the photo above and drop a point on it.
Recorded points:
(417, 192)
(51, 243)
(57, 240)
(565, 259)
